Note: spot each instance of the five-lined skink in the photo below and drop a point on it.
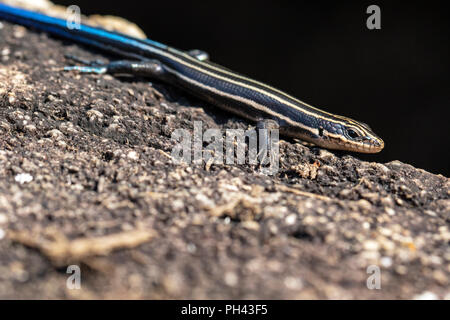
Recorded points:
(220, 86)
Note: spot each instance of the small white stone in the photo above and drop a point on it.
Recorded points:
(133, 155)
(191, 248)
(19, 32)
(77, 186)
(386, 262)
(293, 283)
(436, 260)
(5, 52)
(23, 178)
(371, 245)
(177, 204)
(2, 234)
(426, 295)
(431, 213)
(231, 279)
(290, 219)
(390, 211)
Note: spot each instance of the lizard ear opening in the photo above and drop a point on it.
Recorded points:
(320, 132)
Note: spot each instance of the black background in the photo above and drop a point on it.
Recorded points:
(395, 79)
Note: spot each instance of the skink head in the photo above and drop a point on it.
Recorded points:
(361, 138)
(349, 135)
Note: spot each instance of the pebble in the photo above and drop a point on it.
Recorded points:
(177, 204)
(364, 204)
(5, 52)
(19, 32)
(251, 225)
(23, 178)
(2, 234)
(133, 155)
(231, 278)
(431, 213)
(436, 260)
(290, 219)
(191, 248)
(371, 245)
(293, 283)
(386, 262)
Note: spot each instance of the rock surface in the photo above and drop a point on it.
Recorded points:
(87, 179)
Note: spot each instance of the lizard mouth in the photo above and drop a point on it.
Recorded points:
(368, 145)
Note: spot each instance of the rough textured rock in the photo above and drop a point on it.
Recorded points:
(86, 179)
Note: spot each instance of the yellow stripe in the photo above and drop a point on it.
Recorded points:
(223, 70)
(195, 66)
(247, 101)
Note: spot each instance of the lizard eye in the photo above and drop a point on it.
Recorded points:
(352, 133)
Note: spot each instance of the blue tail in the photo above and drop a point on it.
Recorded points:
(118, 43)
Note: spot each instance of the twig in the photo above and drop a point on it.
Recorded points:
(60, 250)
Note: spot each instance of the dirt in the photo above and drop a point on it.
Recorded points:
(87, 179)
